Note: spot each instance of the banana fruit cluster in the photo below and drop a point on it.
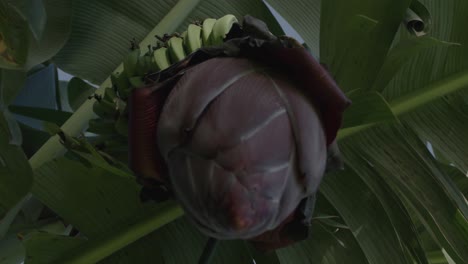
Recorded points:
(111, 108)
(174, 49)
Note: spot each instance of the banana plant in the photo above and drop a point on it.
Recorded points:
(399, 198)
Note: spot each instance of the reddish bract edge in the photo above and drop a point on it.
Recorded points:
(145, 108)
(313, 80)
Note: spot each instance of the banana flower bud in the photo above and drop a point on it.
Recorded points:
(241, 134)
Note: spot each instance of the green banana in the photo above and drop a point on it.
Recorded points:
(176, 49)
(105, 106)
(130, 62)
(121, 106)
(121, 83)
(212, 32)
(144, 65)
(192, 41)
(207, 27)
(136, 82)
(221, 28)
(109, 95)
(103, 109)
(161, 58)
(184, 34)
(154, 64)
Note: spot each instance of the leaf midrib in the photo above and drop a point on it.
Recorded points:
(417, 99)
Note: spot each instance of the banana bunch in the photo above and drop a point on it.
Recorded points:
(111, 126)
(173, 49)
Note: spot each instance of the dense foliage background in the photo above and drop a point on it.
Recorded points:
(400, 199)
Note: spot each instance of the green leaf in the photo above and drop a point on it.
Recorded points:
(439, 73)
(25, 47)
(33, 11)
(459, 178)
(15, 171)
(137, 252)
(401, 54)
(94, 54)
(11, 250)
(406, 165)
(444, 125)
(367, 108)
(438, 257)
(10, 127)
(182, 234)
(33, 139)
(100, 163)
(93, 200)
(232, 252)
(324, 246)
(332, 223)
(364, 215)
(103, 206)
(14, 32)
(45, 248)
(8, 219)
(11, 82)
(23, 228)
(398, 215)
(263, 257)
(78, 92)
(356, 36)
(304, 17)
(43, 114)
(99, 248)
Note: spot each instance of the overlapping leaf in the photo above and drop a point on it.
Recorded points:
(42, 248)
(325, 246)
(33, 31)
(15, 172)
(401, 161)
(442, 122)
(78, 92)
(365, 216)
(355, 38)
(304, 17)
(368, 107)
(410, 93)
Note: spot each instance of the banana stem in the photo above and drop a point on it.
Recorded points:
(417, 99)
